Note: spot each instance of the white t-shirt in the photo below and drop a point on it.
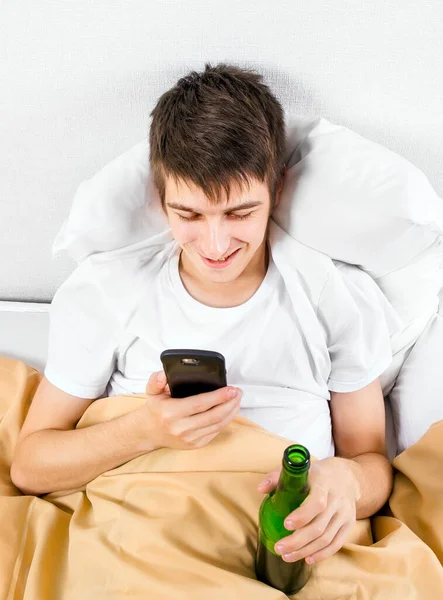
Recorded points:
(115, 314)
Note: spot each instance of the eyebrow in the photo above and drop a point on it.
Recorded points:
(244, 206)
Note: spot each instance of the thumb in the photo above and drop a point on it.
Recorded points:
(156, 383)
(269, 482)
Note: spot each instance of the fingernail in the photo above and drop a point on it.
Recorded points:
(161, 377)
(264, 483)
(279, 548)
(310, 560)
(289, 525)
(232, 392)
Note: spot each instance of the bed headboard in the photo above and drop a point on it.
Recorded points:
(80, 79)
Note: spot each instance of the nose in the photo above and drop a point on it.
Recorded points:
(216, 239)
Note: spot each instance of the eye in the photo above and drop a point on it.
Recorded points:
(193, 218)
(196, 217)
(241, 217)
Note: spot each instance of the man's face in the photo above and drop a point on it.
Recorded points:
(234, 230)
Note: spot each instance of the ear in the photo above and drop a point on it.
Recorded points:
(280, 186)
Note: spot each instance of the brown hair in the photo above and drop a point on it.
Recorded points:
(219, 127)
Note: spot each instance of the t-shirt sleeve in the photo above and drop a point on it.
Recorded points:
(82, 337)
(352, 310)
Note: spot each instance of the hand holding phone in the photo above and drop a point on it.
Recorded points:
(192, 421)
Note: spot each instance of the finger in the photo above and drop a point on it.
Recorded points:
(156, 383)
(211, 417)
(315, 504)
(269, 483)
(200, 403)
(205, 440)
(308, 534)
(316, 545)
(336, 544)
(215, 429)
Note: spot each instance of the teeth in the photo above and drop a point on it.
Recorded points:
(221, 259)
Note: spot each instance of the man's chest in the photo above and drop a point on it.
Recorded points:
(266, 346)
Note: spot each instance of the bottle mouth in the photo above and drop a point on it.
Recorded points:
(296, 458)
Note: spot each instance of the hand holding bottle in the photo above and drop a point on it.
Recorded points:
(324, 520)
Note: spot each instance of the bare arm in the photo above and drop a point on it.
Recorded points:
(358, 426)
(51, 455)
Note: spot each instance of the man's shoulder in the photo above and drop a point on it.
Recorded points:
(116, 279)
(310, 268)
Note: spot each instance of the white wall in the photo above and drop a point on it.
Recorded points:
(79, 78)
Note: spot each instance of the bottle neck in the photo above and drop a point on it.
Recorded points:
(291, 491)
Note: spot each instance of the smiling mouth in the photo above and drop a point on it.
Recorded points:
(221, 262)
(220, 259)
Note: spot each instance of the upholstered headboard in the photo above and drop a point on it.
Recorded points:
(79, 80)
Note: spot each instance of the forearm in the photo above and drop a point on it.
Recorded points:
(52, 460)
(373, 475)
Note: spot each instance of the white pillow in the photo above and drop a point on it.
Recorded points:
(355, 200)
(362, 204)
(116, 207)
(344, 195)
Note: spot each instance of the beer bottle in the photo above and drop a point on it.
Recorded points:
(291, 490)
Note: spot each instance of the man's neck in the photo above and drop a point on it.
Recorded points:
(226, 295)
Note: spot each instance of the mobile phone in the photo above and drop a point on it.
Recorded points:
(191, 372)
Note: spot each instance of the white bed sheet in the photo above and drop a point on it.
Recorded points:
(24, 332)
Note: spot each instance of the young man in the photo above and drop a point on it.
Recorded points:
(216, 154)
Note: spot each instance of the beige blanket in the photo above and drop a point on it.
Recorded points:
(173, 525)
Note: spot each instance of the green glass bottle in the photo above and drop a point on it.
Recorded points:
(291, 490)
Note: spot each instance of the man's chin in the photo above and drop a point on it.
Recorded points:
(229, 274)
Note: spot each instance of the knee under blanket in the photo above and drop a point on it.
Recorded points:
(183, 524)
